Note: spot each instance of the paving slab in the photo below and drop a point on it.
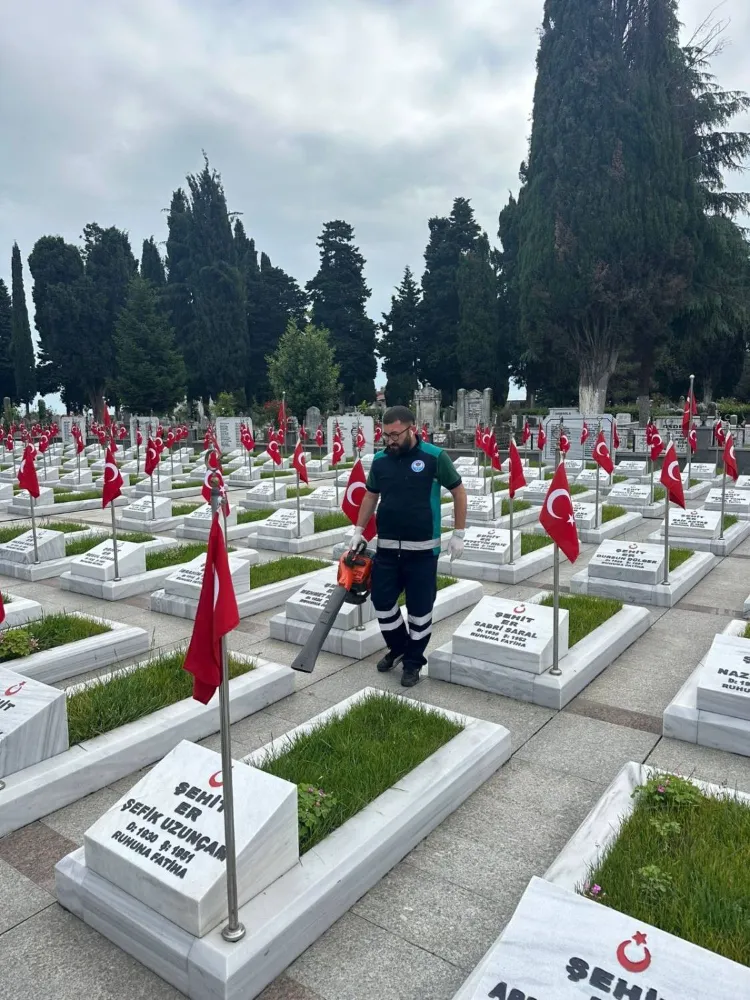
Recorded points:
(21, 900)
(691, 760)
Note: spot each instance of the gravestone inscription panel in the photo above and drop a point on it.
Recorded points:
(511, 633)
(490, 545)
(724, 679)
(50, 545)
(633, 562)
(33, 722)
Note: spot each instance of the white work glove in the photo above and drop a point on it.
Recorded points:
(356, 540)
(456, 543)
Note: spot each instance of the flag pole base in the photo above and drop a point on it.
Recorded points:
(233, 934)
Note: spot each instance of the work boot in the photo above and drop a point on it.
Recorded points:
(389, 661)
(409, 677)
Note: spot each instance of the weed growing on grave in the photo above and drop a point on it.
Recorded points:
(248, 516)
(530, 543)
(177, 554)
(677, 557)
(517, 506)
(359, 755)
(283, 569)
(729, 520)
(6, 598)
(135, 536)
(129, 695)
(181, 509)
(585, 613)
(442, 583)
(591, 465)
(47, 633)
(313, 806)
(679, 863)
(611, 511)
(8, 534)
(325, 522)
(293, 492)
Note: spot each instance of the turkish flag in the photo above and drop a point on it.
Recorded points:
(615, 437)
(557, 516)
(686, 417)
(152, 458)
(79, 443)
(517, 479)
(425, 433)
(213, 472)
(27, 477)
(486, 444)
(602, 456)
(650, 430)
(2, 609)
(671, 477)
(9, 443)
(112, 482)
(541, 438)
(274, 451)
(353, 500)
(361, 438)
(338, 451)
(43, 443)
(495, 454)
(693, 440)
(526, 432)
(138, 438)
(719, 433)
(478, 436)
(564, 444)
(730, 462)
(319, 436)
(216, 615)
(378, 433)
(584, 433)
(300, 463)
(657, 445)
(170, 438)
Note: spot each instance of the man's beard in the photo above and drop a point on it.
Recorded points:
(399, 448)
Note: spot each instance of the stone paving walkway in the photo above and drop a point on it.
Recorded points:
(418, 933)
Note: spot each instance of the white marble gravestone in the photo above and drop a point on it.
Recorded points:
(308, 603)
(323, 496)
(480, 508)
(74, 479)
(45, 499)
(559, 945)
(742, 483)
(724, 678)
(202, 516)
(573, 467)
(267, 490)
(283, 524)
(163, 842)
(161, 482)
(6, 491)
(471, 471)
(50, 545)
(140, 509)
(316, 466)
(48, 474)
(33, 722)
(490, 545)
(99, 563)
(630, 467)
(475, 485)
(536, 490)
(588, 477)
(585, 514)
(635, 562)
(702, 470)
(735, 501)
(691, 523)
(630, 495)
(511, 634)
(187, 579)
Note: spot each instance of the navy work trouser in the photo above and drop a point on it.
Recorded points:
(395, 571)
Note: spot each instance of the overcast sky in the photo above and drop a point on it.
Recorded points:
(379, 112)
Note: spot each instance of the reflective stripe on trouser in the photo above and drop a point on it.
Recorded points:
(414, 572)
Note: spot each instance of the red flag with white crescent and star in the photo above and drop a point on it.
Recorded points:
(526, 432)
(719, 433)
(112, 482)
(338, 446)
(601, 455)
(584, 433)
(299, 463)
(693, 439)
(730, 461)
(495, 454)
(274, 451)
(541, 438)
(214, 475)
(353, 500)
(27, 477)
(216, 615)
(378, 433)
(516, 480)
(657, 444)
(557, 516)
(486, 444)
(319, 436)
(425, 433)
(615, 437)
(650, 430)
(478, 436)
(671, 477)
(152, 457)
(564, 443)
(360, 439)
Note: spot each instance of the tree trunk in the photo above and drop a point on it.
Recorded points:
(708, 390)
(593, 379)
(644, 408)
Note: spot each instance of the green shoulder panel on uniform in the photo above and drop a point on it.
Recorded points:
(447, 474)
(372, 479)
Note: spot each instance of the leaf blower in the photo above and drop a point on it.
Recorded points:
(352, 587)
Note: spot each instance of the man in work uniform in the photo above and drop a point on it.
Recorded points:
(406, 478)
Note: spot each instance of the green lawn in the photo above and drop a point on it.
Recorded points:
(611, 511)
(659, 493)
(585, 613)
(77, 546)
(46, 633)
(69, 497)
(729, 520)
(292, 492)
(679, 862)
(126, 697)
(678, 556)
(277, 475)
(577, 488)
(283, 569)
(618, 479)
(355, 758)
(181, 509)
(325, 522)
(498, 487)
(530, 543)
(174, 556)
(248, 516)
(517, 506)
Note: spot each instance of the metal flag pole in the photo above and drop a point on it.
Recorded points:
(666, 528)
(33, 528)
(137, 447)
(233, 931)
(690, 425)
(114, 539)
(716, 440)
(612, 452)
(273, 478)
(78, 462)
(171, 462)
(510, 514)
(158, 471)
(651, 469)
(723, 498)
(299, 515)
(596, 494)
(555, 669)
(283, 429)
(153, 507)
(492, 492)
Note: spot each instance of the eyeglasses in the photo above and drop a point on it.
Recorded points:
(395, 435)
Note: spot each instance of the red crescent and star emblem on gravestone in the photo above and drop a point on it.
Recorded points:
(639, 965)
(519, 610)
(14, 689)
(215, 781)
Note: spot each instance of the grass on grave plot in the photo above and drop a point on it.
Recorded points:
(677, 557)
(729, 520)
(577, 489)
(248, 516)
(530, 543)
(77, 546)
(659, 493)
(126, 697)
(498, 487)
(175, 555)
(46, 633)
(282, 475)
(181, 509)
(356, 757)
(283, 569)
(585, 613)
(679, 862)
(326, 522)
(517, 506)
(442, 583)
(618, 479)
(7, 534)
(292, 492)
(446, 500)
(611, 512)
(77, 497)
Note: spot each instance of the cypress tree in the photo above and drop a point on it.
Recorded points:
(178, 298)
(339, 293)
(399, 342)
(21, 347)
(152, 266)
(7, 373)
(478, 347)
(150, 369)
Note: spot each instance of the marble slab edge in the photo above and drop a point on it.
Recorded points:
(20, 610)
(611, 529)
(296, 909)
(521, 569)
(733, 537)
(295, 546)
(681, 581)
(85, 768)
